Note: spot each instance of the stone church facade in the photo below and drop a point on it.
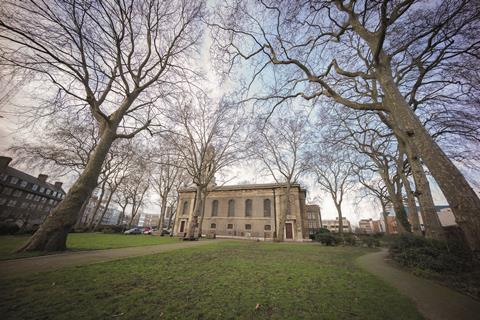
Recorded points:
(246, 212)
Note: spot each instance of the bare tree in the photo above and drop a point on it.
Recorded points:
(368, 56)
(281, 144)
(204, 136)
(166, 176)
(118, 60)
(333, 168)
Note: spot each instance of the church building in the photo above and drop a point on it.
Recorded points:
(246, 212)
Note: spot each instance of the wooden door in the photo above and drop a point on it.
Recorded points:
(288, 231)
(182, 226)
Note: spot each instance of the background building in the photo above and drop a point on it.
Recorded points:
(370, 226)
(148, 220)
(333, 226)
(24, 199)
(246, 211)
(314, 218)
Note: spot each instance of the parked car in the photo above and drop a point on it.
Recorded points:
(133, 231)
(165, 232)
(149, 230)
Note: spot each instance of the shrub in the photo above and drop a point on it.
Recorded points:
(431, 255)
(349, 239)
(371, 241)
(8, 228)
(326, 239)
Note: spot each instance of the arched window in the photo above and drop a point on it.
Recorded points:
(268, 227)
(248, 208)
(185, 208)
(231, 208)
(267, 208)
(214, 208)
(213, 226)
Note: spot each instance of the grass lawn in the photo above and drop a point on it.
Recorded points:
(222, 280)
(83, 241)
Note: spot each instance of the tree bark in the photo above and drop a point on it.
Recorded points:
(283, 215)
(200, 223)
(412, 207)
(52, 234)
(385, 215)
(193, 219)
(463, 201)
(163, 209)
(340, 218)
(431, 222)
(397, 203)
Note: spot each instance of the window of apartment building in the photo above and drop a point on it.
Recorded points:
(3, 176)
(248, 208)
(3, 201)
(23, 183)
(54, 194)
(29, 196)
(267, 208)
(214, 208)
(24, 205)
(231, 208)
(35, 187)
(40, 206)
(248, 227)
(33, 206)
(185, 208)
(229, 226)
(14, 180)
(48, 191)
(12, 203)
(36, 198)
(267, 227)
(213, 226)
(17, 193)
(44, 199)
(42, 189)
(7, 191)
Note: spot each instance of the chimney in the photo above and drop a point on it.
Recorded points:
(4, 162)
(42, 177)
(58, 184)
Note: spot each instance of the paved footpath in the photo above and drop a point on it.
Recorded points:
(434, 301)
(19, 267)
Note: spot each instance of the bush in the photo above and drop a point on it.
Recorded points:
(431, 255)
(349, 239)
(8, 228)
(327, 239)
(372, 241)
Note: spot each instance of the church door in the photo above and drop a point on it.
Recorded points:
(288, 231)
(182, 226)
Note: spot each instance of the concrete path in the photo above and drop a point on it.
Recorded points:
(434, 301)
(19, 267)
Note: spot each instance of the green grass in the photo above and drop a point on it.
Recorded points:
(222, 280)
(83, 241)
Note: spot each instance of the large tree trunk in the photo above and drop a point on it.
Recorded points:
(283, 215)
(338, 206)
(397, 203)
(463, 201)
(431, 222)
(193, 219)
(385, 215)
(52, 234)
(163, 210)
(200, 223)
(412, 207)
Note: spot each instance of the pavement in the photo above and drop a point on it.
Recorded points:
(434, 301)
(20, 267)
